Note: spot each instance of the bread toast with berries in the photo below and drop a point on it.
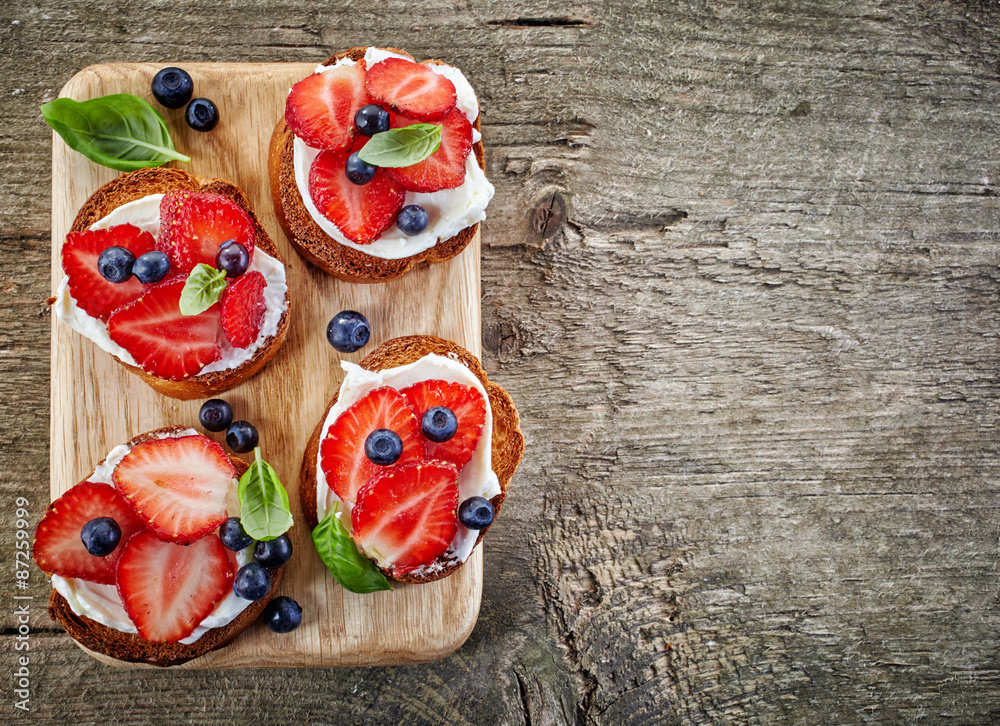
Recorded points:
(507, 444)
(101, 639)
(318, 247)
(138, 185)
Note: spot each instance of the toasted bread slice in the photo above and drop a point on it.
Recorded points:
(101, 639)
(313, 243)
(507, 444)
(138, 184)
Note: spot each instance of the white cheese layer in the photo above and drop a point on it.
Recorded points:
(450, 210)
(145, 214)
(102, 604)
(477, 479)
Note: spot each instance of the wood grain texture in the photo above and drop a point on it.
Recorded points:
(96, 404)
(741, 277)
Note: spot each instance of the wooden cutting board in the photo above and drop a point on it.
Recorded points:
(97, 405)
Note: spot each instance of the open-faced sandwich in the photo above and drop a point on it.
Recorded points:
(409, 465)
(175, 277)
(149, 558)
(378, 164)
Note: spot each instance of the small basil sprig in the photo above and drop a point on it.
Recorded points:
(341, 557)
(402, 147)
(120, 131)
(202, 289)
(264, 509)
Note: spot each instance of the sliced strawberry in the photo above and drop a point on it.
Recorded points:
(445, 168)
(469, 408)
(163, 342)
(362, 212)
(168, 589)
(178, 485)
(95, 295)
(410, 88)
(243, 309)
(406, 517)
(193, 225)
(342, 452)
(320, 108)
(58, 548)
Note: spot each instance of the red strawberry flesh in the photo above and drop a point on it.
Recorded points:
(445, 168)
(342, 451)
(162, 341)
(406, 517)
(58, 549)
(177, 484)
(193, 225)
(93, 294)
(168, 589)
(243, 309)
(361, 212)
(410, 88)
(320, 108)
(469, 408)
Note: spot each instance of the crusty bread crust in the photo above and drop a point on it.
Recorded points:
(142, 183)
(129, 646)
(313, 243)
(507, 445)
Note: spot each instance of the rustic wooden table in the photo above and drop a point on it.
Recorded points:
(741, 276)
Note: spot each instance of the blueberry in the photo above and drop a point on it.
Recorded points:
(151, 267)
(242, 436)
(172, 87)
(348, 331)
(115, 264)
(252, 581)
(282, 614)
(371, 119)
(412, 219)
(233, 536)
(383, 447)
(476, 513)
(359, 172)
(438, 424)
(202, 115)
(274, 552)
(233, 258)
(215, 415)
(100, 536)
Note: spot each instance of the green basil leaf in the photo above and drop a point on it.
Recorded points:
(340, 555)
(402, 147)
(264, 509)
(202, 289)
(120, 131)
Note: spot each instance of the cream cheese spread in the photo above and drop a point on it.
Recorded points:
(450, 210)
(477, 478)
(102, 604)
(144, 213)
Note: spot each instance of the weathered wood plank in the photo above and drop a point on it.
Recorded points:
(757, 366)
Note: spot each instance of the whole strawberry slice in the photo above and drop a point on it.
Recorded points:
(163, 342)
(410, 88)
(361, 212)
(445, 168)
(58, 549)
(168, 589)
(95, 295)
(342, 452)
(177, 485)
(193, 225)
(469, 408)
(406, 516)
(320, 108)
(243, 309)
